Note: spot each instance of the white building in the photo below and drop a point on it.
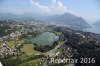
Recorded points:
(1, 64)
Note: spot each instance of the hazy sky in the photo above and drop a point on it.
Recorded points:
(88, 9)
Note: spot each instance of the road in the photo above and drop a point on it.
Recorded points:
(45, 63)
(52, 52)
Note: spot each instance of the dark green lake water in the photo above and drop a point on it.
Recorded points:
(46, 38)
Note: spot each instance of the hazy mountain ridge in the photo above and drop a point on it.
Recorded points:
(70, 20)
(66, 19)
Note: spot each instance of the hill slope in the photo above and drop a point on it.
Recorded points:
(69, 20)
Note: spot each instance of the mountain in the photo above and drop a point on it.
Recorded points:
(69, 20)
(97, 23)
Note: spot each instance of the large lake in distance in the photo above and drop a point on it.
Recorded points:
(94, 29)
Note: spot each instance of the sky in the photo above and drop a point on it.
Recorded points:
(88, 9)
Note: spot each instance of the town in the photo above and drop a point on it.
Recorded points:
(17, 50)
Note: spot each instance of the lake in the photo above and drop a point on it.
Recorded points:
(46, 38)
(94, 29)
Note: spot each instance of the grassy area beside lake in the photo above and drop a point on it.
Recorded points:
(29, 49)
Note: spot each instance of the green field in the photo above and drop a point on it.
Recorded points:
(58, 33)
(32, 62)
(29, 49)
